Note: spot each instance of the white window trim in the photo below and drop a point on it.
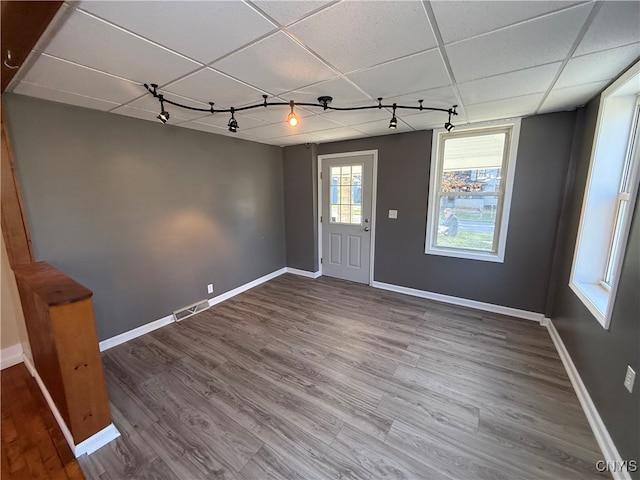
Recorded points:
(432, 210)
(593, 293)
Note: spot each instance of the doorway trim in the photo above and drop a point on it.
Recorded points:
(374, 195)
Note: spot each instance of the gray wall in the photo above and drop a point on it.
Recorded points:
(300, 206)
(144, 214)
(601, 356)
(403, 179)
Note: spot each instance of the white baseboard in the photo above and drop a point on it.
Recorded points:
(463, 302)
(245, 287)
(11, 356)
(96, 441)
(605, 442)
(136, 332)
(89, 445)
(303, 273)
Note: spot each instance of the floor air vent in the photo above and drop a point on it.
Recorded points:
(187, 312)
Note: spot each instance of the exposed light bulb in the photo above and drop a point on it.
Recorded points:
(292, 120)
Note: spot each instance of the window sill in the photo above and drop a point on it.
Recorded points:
(595, 298)
(470, 255)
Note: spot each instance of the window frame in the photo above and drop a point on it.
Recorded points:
(603, 233)
(508, 173)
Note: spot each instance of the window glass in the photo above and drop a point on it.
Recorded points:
(346, 195)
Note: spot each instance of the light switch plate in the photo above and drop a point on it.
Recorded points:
(393, 213)
(629, 378)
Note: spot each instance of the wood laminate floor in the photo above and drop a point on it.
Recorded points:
(315, 379)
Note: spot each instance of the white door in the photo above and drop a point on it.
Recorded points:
(347, 185)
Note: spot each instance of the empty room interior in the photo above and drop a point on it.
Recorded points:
(320, 239)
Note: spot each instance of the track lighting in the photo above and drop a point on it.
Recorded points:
(292, 119)
(448, 126)
(233, 123)
(163, 116)
(393, 124)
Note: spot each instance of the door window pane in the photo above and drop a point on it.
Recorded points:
(346, 195)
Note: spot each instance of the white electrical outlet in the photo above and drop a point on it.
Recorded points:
(393, 213)
(210, 288)
(629, 378)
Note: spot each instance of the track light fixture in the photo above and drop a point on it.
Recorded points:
(323, 102)
(163, 116)
(292, 119)
(233, 123)
(393, 124)
(449, 126)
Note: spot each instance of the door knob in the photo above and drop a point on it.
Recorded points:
(366, 229)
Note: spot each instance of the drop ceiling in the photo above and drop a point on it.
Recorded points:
(494, 59)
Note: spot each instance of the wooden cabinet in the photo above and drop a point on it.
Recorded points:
(62, 332)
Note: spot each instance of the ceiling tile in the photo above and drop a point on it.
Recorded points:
(354, 117)
(342, 133)
(418, 72)
(285, 12)
(597, 66)
(24, 88)
(458, 20)
(190, 28)
(221, 120)
(616, 24)
(356, 35)
(276, 64)
(499, 109)
(175, 116)
(526, 45)
(271, 131)
(428, 120)
(61, 75)
(342, 91)
(296, 139)
(314, 123)
(513, 84)
(149, 103)
(441, 97)
(111, 50)
(381, 127)
(210, 86)
(572, 97)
